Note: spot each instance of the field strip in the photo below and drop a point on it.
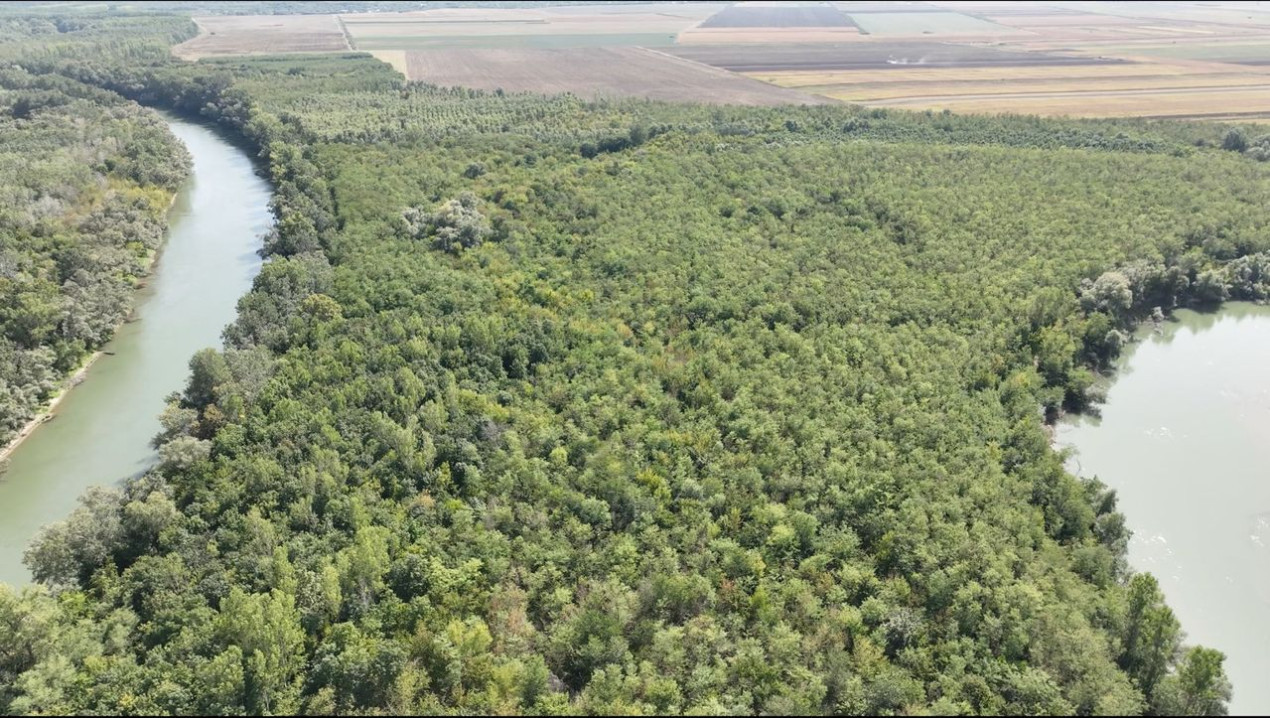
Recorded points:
(222, 35)
(596, 72)
(1194, 105)
(348, 37)
(1001, 74)
(396, 58)
(924, 99)
(716, 71)
(922, 89)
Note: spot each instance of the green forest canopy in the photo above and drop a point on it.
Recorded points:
(86, 178)
(542, 405)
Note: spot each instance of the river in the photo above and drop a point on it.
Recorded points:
(1184, 438)
(102, 429)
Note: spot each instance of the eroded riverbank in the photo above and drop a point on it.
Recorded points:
(101, 429)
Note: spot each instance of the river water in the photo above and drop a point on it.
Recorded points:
(102, 429)
(1184, 438)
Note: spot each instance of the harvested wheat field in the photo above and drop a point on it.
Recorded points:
(1190, 89)
(258, 34)
(597, 72)
(569, 25)
(936, 77)
(920, 92)
(1188, 103)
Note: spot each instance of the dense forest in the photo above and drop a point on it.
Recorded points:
(85, 182)
(547, 406)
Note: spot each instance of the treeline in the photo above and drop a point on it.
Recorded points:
(85, 183)
(740, 415)
(135, 36)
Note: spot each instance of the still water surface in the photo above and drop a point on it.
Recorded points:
(1184, 438)
(102, 430)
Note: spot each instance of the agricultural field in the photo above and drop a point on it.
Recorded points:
(1090, 58)
(252, 34)
(1239, 54)
(652, 24)
(1166, 60)
(777, 15)
(902, 89)
(512, 41)
(765, 23)
(1182, 103)
(805, 36)
(595, 73)
(869, 55)
(910, 22)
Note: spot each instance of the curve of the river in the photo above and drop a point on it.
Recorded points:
(1184, 438)
(102, 429)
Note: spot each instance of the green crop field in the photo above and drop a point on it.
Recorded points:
(1216, 51)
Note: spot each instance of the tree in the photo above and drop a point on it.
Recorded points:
(1235, 140)
(265, 628)
(455, 226)
(67, 553)
(1198, 687)
(1151, 637)
(1109, 293)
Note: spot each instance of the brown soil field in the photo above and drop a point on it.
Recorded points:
(767, 35)
(258, 34)
(938, 76)
(941, 75)
(869, 54)
(597, 72)
(754, 16)
(570, 19)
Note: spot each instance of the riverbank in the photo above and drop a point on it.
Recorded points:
(104, 425)
(50, 410)
(48, 413)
